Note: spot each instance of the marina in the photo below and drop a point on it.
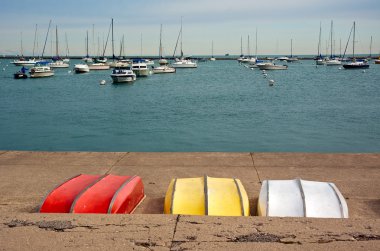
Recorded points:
(220, 106)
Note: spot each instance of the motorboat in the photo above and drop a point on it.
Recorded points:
(184, 63)
(163, 61)
(41, 70)
(100, 60)
(81, 68)
(377, 61)
(301, 198)
(140, 68)
(24, 62)
(98, 66)
(96, 194)
(120, 63)
(206, 196)
(271, 66)
(21, 74)
(163, 69)
(292, 59)
(87, 59)
(123, 75)
(283, 58)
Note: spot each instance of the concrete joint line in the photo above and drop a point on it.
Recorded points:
(175, 230)
(117, 161)
(253, 163)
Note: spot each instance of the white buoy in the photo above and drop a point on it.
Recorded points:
(3, 69)
(363, 71)
(69, 72)
(271, 82)
(103, 82)
(340, 68)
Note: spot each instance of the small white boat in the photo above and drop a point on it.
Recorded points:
(81, 68)
(59, 64)
(120, 63)
(99, 66)
(301, 198)
(140, 68)
(41, 71)
(292, 59)
(163, 69)
(184, 63)
(283, 58)
(332, 62)
(320, 61)
(24, 62)
(123, 75)
(271, 66)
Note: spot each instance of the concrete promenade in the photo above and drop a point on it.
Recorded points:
(26, 178)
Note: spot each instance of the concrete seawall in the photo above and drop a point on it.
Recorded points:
(26, 177)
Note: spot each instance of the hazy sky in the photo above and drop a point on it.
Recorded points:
(204, 21)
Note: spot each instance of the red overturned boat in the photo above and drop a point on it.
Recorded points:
(100, 194)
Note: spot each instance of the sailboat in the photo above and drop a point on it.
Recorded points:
(184, 62)
(41, 68)
(163, 68)
(355, 64)
(332, 60)
(100, 63)
(22, 61)
(319, 58)
(212, 52)
(87, 58)
(57, 60)
(291, 58)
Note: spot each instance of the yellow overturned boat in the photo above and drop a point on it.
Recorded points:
(206, 196)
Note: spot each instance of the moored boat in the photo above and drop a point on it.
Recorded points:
(377, 61)
(123, 75)
(355, 64)
(41, 70)
(24, 62)
(206, 196)
(98, 66)
(271, 66)
(163, 69)
(81, 68)
(140, 68)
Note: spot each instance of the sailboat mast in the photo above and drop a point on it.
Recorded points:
(56, 40)
(22, 49)
(47, 34)
(87, 45)
(34, 43)
(319, 41)
(331, 39)
(212, 48)
(291, 47)
(248, 49)
(113, 48)
(370, 48)
(67, 46)
(160, 48)
(256, 45)
(141, 45)
(241, 45)
(181, 39)
(353, 43)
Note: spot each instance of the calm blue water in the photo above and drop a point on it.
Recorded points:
(221, 106)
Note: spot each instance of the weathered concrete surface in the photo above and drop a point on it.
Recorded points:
(26, 177)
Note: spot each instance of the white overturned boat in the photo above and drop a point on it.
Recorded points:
(301, 198)
(98, 66)
(81, 68)
(140, 68)
(123, 75)
(41, 70)
(271, 66)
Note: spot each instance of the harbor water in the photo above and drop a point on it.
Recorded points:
(220, 106)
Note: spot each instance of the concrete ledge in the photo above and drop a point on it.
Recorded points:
(26, 177)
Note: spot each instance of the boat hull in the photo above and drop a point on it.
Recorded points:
(192, 65)
(161, 70)
(107, 194)
(99, 67)
(123, 78)
(349, 66)
(301, 198)
(141, 72)
(20, 75)
(272, 67)
(41, 74)
(206, 196)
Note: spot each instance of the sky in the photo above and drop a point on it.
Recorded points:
(221, 22)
